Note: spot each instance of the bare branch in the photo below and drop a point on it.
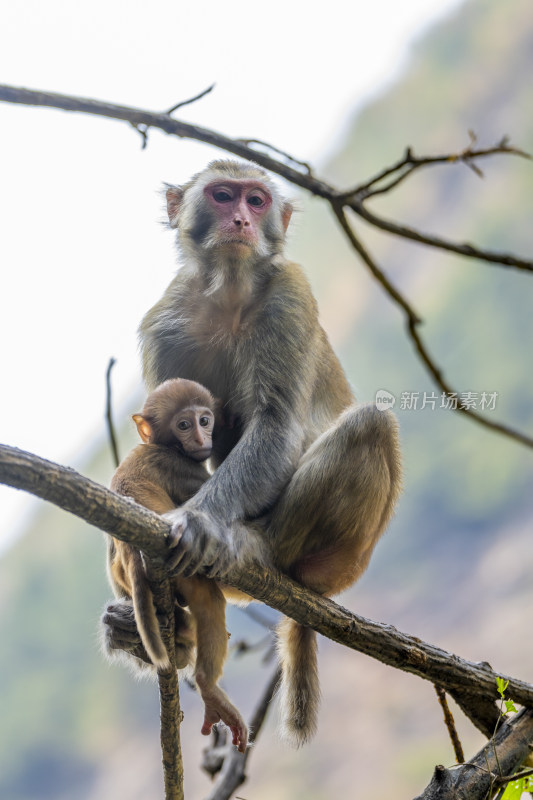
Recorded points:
(307, 181)
(482, 711)
(166, 123)
(126, 520)
(142, 130)
(502, 781)
(413, 323)
(108, 413)
(191, 100)
(378, 274)
(450, 724)
(465, 249)
(142, 120)
(307, 167)
(409, 163)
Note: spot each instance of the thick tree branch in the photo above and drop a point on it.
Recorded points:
(126, 520)
(304, 178)
(474, 684)
(477, 779)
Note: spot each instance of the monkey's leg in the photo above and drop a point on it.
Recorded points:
(208, 607)
(328, 519)
(323, 531)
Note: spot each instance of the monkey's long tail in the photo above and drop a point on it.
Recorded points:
(145, 616)
(299, 689)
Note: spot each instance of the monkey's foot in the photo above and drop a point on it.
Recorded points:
(120, 628)
(218, 708)
(119, 634)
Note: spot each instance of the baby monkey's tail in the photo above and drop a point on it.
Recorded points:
(145, 616)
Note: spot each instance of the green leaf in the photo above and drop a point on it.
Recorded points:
(502, 685)
(513, 791)
(510, 706)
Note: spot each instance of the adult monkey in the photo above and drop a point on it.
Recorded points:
(321, 474)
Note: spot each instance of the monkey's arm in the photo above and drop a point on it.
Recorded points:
(277, 381)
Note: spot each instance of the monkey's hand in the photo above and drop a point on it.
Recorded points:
(197, 543)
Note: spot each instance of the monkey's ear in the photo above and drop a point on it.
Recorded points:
(144, 427)
(174, 196)
(286, 214)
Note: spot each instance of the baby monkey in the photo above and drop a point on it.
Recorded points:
(176, 427)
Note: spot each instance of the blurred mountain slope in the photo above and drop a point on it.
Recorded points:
(455, 566)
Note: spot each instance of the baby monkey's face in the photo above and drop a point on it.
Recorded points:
(192, 428)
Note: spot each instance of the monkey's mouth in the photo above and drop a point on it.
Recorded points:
(247, 241)
(200, 455)
(238, 243)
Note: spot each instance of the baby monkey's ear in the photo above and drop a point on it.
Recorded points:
(144, 428)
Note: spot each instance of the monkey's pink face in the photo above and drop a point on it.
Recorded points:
(239, 208)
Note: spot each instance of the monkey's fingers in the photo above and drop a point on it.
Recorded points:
(122, 640)
(239, 737)
(185, 554)
(120, 614)
(211, 717)
(177, 561)
(175, 536)
(196, 559)
(175, 540)
(178, 519)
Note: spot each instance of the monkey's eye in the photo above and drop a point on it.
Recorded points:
(204, 421)
(222, 196)
(183, 425)
(256, 200)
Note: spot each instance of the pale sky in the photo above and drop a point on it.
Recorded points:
(82, 253)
